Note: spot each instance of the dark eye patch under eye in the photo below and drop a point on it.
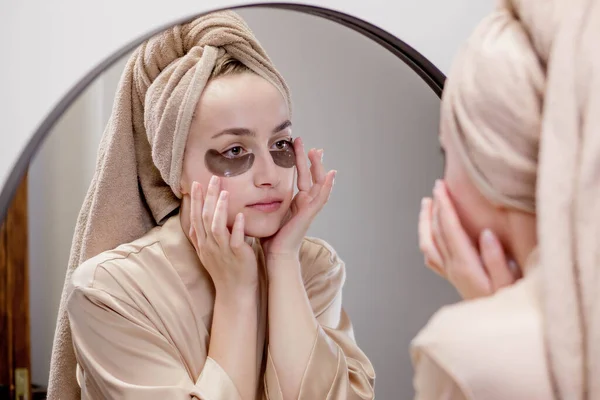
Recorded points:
(223, 166)
(285, 158)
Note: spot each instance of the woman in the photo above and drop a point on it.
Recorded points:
(191, 232)
(520, 115)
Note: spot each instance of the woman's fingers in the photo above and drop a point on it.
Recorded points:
(192, 234)
(449, 224)
(219, 222)
(430, 252)
(306, 210)
(237, 234)
(495, 261)
(310, 178)
(317, 169)
(210, 204)
(317, 172)
(473, 287)
(474, 273)
(322, 197)
(302, 166)
(463, 265)
(438, 235)
(197, 232)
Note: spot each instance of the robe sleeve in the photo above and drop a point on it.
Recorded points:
(121, 355)
(337, 368)
(432, 382)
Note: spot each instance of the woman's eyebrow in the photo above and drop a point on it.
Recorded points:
(248, 132)
(235, 132)
(282, 126)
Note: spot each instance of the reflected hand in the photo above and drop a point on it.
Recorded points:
(449, 251)
(314, 188)
(229, 260)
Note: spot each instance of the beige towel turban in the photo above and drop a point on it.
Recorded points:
(522, 104)
(136, 183)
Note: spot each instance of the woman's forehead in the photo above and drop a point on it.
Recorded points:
(223, 111)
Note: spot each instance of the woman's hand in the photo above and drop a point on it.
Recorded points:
(314, 188)
(449, 251)
(229, 260)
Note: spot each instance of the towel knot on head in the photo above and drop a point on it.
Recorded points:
(171, 71)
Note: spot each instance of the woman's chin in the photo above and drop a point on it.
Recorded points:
(262, 229)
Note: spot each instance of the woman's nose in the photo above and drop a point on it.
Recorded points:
(266, 173)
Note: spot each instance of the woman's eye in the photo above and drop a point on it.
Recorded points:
(283, 144)
(234, 152)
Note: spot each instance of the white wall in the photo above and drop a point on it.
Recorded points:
(377, 122)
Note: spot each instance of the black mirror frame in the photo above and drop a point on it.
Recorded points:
(434, 78)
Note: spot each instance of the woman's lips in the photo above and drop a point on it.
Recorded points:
(270, 206)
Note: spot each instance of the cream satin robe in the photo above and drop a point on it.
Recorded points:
(486, 349)
(141, 317)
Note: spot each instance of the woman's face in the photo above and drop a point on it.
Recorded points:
(237, 115)
(475, 212)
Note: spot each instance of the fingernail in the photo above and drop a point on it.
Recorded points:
(512, 265)
(423, 202)
(224, 194)
(488, 237)
(334, 175)
(321, 154)
(213, 180)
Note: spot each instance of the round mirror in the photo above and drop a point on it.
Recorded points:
(365, 97)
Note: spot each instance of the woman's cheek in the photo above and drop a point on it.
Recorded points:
(289, 179)
(465, 209)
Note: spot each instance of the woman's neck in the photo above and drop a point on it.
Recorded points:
(521, 236)
(184, 216)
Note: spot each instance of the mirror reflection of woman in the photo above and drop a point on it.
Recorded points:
(519, 127)
(195, 278)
